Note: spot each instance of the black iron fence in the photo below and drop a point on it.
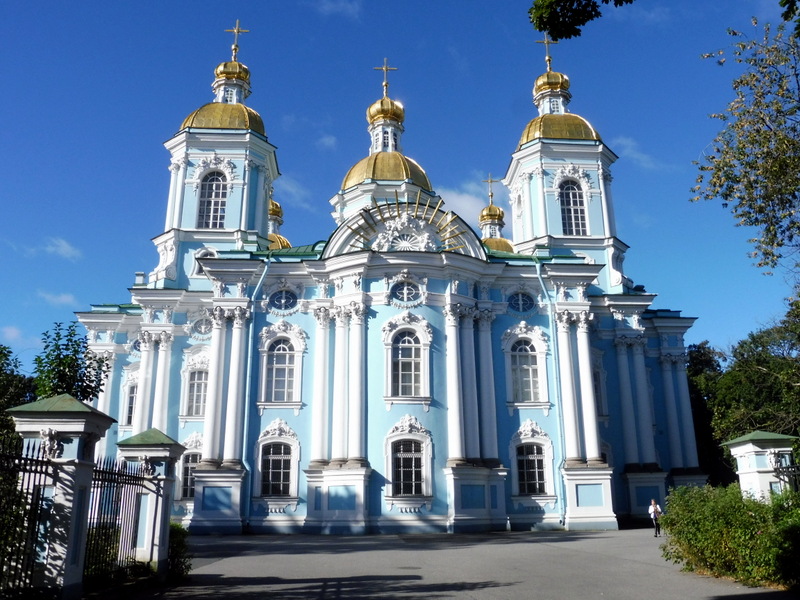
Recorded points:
(26, 498)
(116, 524)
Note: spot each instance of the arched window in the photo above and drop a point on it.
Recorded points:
(530, 470)
(573, 209)
(280, 372)
(406, 364)
(213, 192)
(276, 469)
(406, 468)
(130, 404)
(385, 139)
(196, 394)
(190, 461)
(524, 373)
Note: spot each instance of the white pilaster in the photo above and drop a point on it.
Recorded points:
(161, 394)
(339, 409)
(588, 404)
(319, 404)
(144, 396)
(626, 401)
(644, 408)
(455, 424)
(469, 385)
(212, 423)
(487, 400)
(234, 416)
(568, 407)
(356, 427)
(673, 426)
(687, 434)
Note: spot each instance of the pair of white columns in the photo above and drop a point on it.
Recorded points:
(347, 430)
(150, 409)
(216, 450)
(572, 412)
(680, 425)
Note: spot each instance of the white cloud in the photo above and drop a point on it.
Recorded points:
(289, 191)
(346, 8)
(628, 148)
(58, 299)
(471, 197)
(10, 334)
(61, 247)
(326, 142)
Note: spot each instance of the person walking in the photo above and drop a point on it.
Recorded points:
(655, 514)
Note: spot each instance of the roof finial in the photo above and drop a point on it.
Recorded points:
(385, 68)
(490, 181)
(236, 31)
(547, 41)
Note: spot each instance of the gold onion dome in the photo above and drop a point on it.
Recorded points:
(565, 126)
(275, 209)
(232, 69)
(491, 213)
(386, 108)
(497, 243)
(386, 166)
(220, 115)
(277, 242)
(551, 81)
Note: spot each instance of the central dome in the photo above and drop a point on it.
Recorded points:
(220, 115)
(386, 166)
(565, 126)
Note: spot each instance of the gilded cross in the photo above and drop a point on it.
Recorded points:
(547, 41)
(236, 31)
(490, 181)
(385, 68)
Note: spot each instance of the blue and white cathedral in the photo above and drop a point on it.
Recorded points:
(408, 374)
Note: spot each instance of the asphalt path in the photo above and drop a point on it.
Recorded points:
(618, 565)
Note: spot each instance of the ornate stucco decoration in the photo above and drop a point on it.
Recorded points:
(406, 277)
(167, 260)
(572, 172)
(529, 429)
(294, 332)
(194, 441)
(215, 163)
(522, 329)
(406, 233)
(51, 446)
(278, 428)
(409, 424)
(405, 318)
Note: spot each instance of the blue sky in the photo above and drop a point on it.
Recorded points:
(92, 90)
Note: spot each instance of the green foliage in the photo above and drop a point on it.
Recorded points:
(563, 19)
(15, 388)
(67, 366)
(754, 162)
(717, 531)
(179, 560)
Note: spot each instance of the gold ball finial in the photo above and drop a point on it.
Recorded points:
(236, 31)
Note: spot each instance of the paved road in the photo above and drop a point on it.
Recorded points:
(618, 565)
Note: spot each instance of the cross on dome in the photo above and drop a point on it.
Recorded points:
(547, 58)
(236, 31)
(490, 181)
(385, 68)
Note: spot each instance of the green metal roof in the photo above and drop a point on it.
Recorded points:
(151, 437)
(760, 436)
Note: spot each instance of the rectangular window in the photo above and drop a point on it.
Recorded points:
(276, 469)
(190, 462)
(132, 390)
(198, 388)
(406, 468)
(530, 469)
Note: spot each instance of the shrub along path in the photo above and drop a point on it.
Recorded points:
(618, 565)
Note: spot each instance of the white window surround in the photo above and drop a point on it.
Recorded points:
(212, 200)
(278, 431)
(193, 444)
(409, 428)
(407, 321)
(195, 358)
(297, 337)
(530, 433)
(130, 379)
(538, 338)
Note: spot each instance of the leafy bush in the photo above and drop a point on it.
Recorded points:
(717, 531)
(179, 560)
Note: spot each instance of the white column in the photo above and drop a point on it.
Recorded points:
(689, 441)
(161, 394)
(455, 433)
(626, 402)
(339, 416)
(356, 426)
(543, 227)
(645, 409)
(591, 438)
(529, 208)
(568, 406)
(234, 417)
(673, 426)
(212, 421)
(177, 193)
(469, 385)
(319, 403)
(144, 397)
(104, 402)
(487, 399)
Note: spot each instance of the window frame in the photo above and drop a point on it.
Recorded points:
(529, 432)
(277, 432)
(392, 329)
(297, 338)
(409, 429)
(212, 200)
(186, 480)
(195, 359)
(536, 337)
(574, 217)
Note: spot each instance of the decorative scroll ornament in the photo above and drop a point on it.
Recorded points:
(529, 429)
(573, 172)
(406, 318)
(51, 446)
(409, 424)
(524, 330)
(278, 428)
(194, 441)
(295, 332)
(406, 233)
(216, 163)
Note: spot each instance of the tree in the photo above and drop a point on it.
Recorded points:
(15, 388)
(68, 366)
(563, 19)
(754, 163)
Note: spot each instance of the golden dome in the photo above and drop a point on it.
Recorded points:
(491, 213)
(220, 115)
(275, 209)
(551, 81)
(501, 244)
(277, 242)
(232, 70)
(386, 108)
(386, 166)
(560, 127)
